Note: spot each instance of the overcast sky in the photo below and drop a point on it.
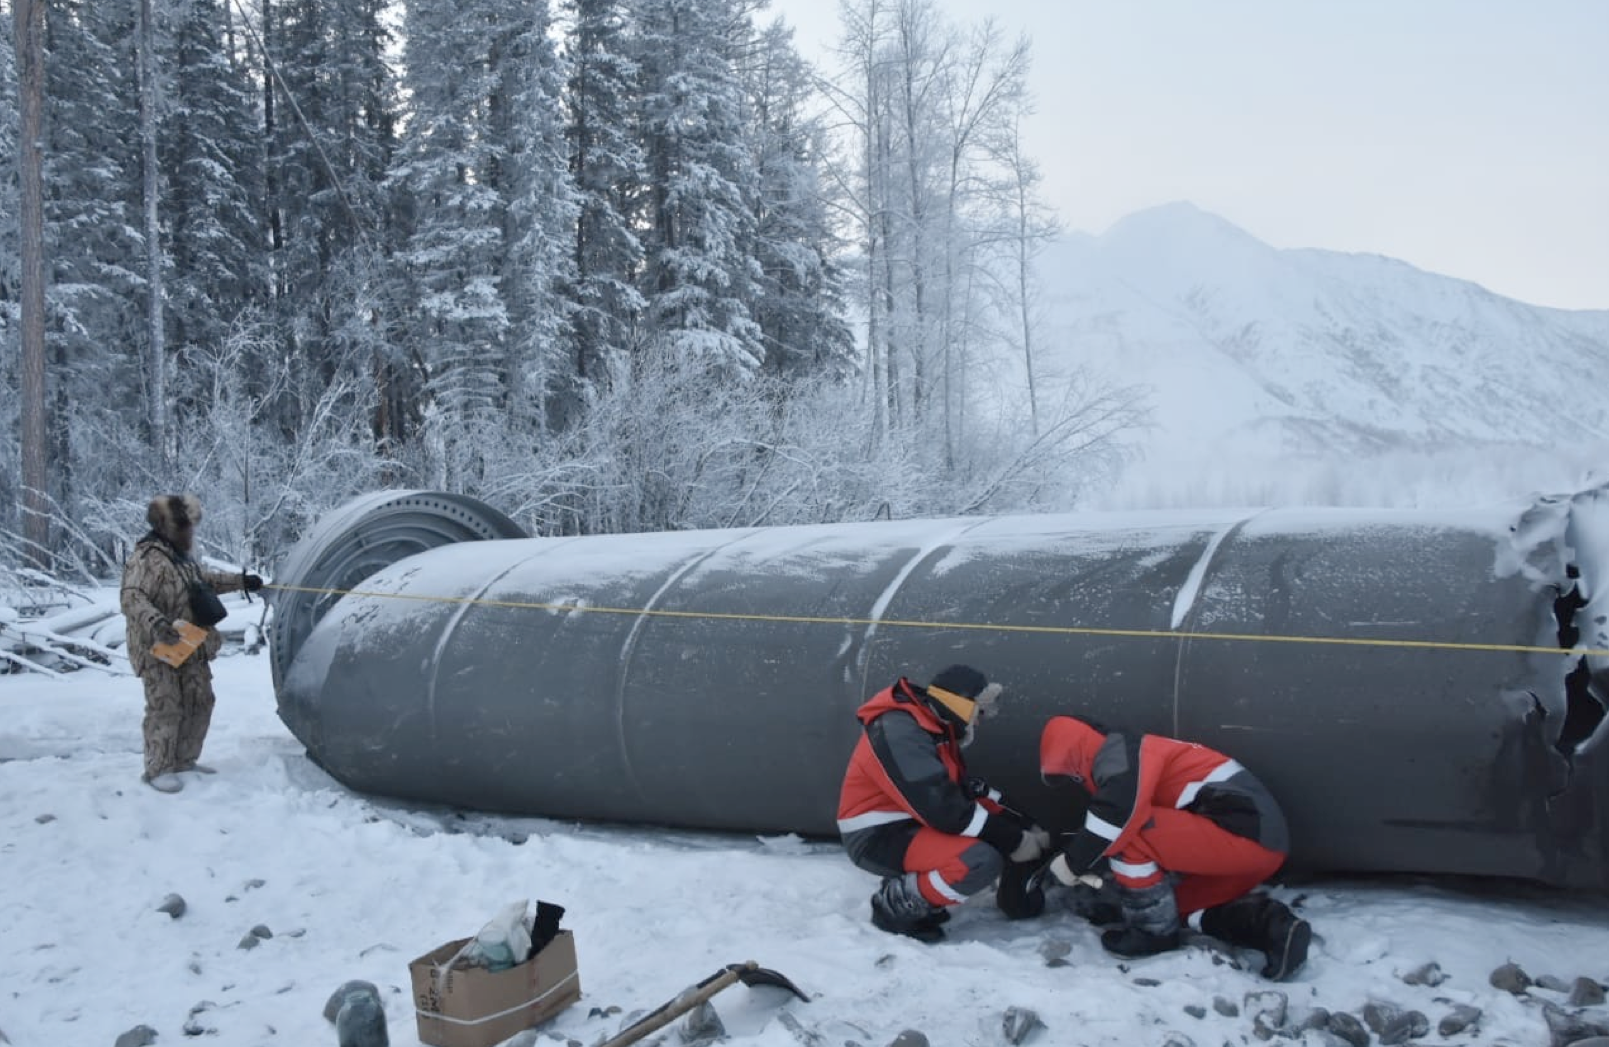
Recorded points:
(1466, 137)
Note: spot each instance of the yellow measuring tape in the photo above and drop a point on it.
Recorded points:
(895, 623)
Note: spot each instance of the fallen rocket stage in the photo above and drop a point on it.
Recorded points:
(1425, 691)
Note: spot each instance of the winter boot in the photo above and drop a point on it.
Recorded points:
(1259, 921)
(899, 908)
(163, 783)
(1150, 922)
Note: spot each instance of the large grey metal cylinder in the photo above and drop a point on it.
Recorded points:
(1397, 678)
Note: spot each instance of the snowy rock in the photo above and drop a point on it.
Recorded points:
(1564, 1028)
(703, 1024)
(250, 941)
(1586, 993)
(1510, 978)
(173, 905)
(1177, 1039)
(252, 885)
(1018, 1023)
(1195, 1010)
(332, 1006)
(1226, 1007)
(1312, 1019)
(1409, 1025)
(1552, 984)
(1147, 983)
(139, 1036)
(1462, 1017)
(194, 1026)
(1430, 974)
(1324, 1038)
(262, 931)
(361, 1022)
(43, 819)
(909, 1038)
(1055, 951)
(1348, 1028)
(1267, 1010)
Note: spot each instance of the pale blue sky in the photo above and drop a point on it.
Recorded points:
(1466, 137)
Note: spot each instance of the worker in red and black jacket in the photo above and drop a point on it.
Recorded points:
(1185, 830)
(909, 812)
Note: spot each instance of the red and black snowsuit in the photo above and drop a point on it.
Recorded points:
(1160, 806)
(905, 805)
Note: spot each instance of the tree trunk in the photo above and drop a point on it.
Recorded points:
(29, 17)
(156, 370)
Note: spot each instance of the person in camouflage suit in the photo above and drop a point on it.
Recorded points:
(156, 593)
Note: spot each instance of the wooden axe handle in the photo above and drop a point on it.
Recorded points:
(680, 1004)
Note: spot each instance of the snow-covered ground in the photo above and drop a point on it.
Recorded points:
(356, 887)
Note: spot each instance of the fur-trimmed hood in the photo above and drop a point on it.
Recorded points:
(174, 517)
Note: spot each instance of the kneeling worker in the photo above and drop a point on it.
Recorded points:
(1161, 810)
(909, 813)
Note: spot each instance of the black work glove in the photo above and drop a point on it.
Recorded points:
(1020, 894)
(251, 582)
(164, 633)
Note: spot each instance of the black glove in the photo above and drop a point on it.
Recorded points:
(1021, 892)
(251, 582)
(164, 633)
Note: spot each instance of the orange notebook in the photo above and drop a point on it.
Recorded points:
(176, 654)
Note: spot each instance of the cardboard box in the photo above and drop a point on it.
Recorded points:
(190, 638)
(475, 1007)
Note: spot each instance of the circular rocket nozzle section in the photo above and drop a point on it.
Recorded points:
(366, 535)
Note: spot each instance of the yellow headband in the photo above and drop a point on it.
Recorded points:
(965, 708)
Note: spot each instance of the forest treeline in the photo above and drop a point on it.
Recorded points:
(610, 265)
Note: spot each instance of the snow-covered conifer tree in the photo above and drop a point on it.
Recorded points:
(700, 273)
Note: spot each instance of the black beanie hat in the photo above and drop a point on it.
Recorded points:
(961, 679)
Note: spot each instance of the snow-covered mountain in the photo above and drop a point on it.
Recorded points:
(1320, 357)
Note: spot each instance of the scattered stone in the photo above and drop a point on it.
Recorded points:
(1565, 1028)
(1268, 1005)
(361, 1022)
(250, 941)
(252, 885)
(1586, 993)
(296, 932)
(1324, 1038)
(195, 966)
(909, 1038)
(139, 1036)
(703, 1024)
(1226, 1007)
(173, 905)
(1147, 983)
(1430, 974)
(1377, 1016)
(1510, 978)
(3, 1037)
(1463, 1016)
(332, 1006)
(1053, 949)
(42, 819)
(1018, 1023)
(1409, 1025)
(262, 931)
(1314, 1019)
(1348, 1028)
(1552, 984)
(1195, 1010)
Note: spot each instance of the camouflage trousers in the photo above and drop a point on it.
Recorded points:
(178, 711)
